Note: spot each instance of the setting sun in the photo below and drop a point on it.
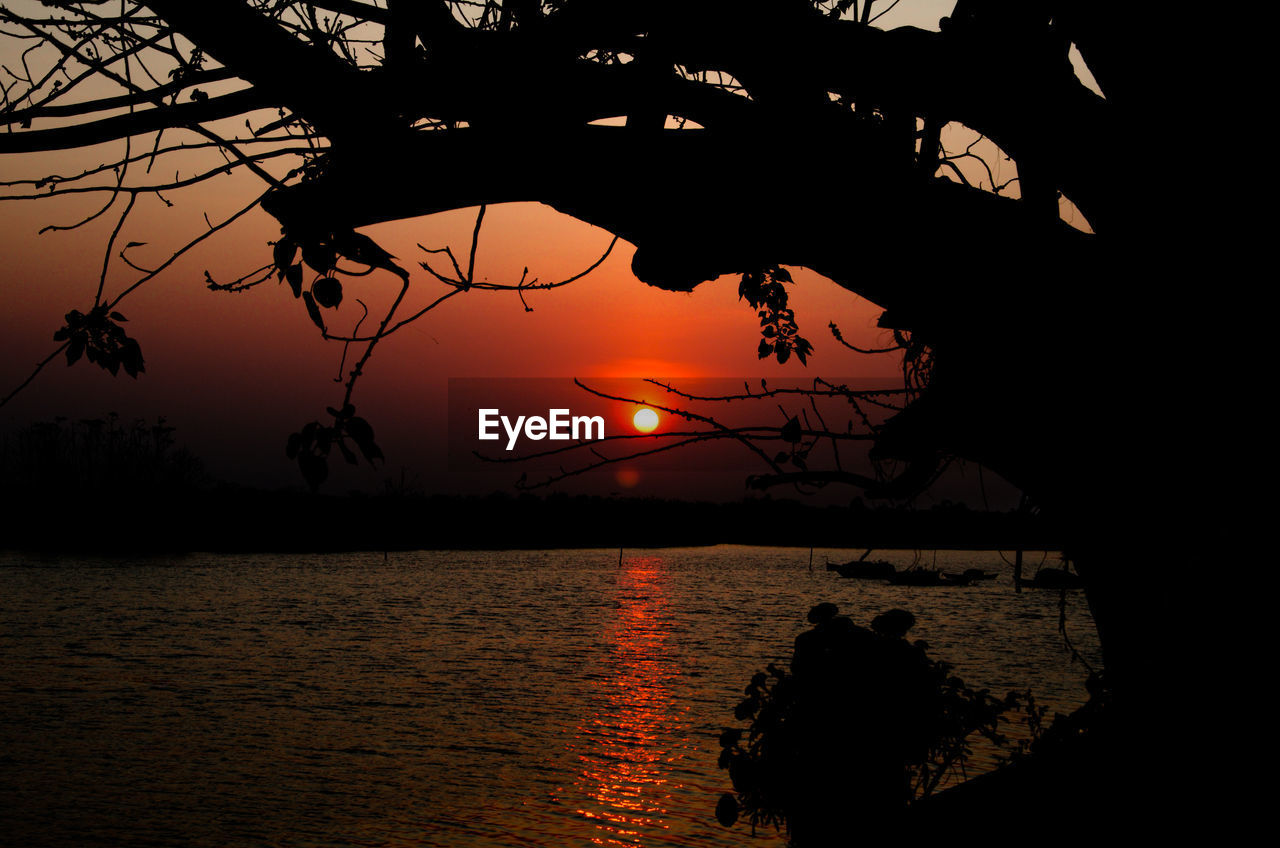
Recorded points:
(646, 420)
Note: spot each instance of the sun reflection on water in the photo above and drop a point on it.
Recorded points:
(624, 762)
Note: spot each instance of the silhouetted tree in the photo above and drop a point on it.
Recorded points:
(751, 136)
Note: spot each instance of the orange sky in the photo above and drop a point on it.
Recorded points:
(236, 373)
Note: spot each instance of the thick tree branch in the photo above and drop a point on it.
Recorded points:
(732, 209)
(134, 123)
(341, 101)
(123, 101)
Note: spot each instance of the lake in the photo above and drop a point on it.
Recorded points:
(514, 698)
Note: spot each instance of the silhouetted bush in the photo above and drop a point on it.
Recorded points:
(863, 725)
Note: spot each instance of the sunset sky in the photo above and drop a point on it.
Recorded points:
(236, 373)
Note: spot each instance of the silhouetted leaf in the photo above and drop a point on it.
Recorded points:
(727, 810)
(362, 434)
(116, 316)
(282, 255)
(765, 349)
(347, 454)
(293, 274)
(803, 349)
(294, 445)
(75, 350)
(131, 358)
(319, 256)
(784, 353)
(313, 311)
(362, 249)
(359, 429)
(327, 292)
(791, 430)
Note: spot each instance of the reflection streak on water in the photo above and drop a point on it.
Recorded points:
(622, 760)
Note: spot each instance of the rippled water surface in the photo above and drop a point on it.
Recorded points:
(437, 698)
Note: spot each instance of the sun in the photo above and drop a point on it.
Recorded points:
(646, 420)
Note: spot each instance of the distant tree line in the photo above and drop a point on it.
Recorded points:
(99, 457)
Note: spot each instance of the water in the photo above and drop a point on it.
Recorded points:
(437, 698)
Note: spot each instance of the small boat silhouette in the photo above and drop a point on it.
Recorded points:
(875, 569)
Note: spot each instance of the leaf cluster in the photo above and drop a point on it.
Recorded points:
(763, 289)
(98, 337)
(761, 760)
(321, 249)
(311, 446)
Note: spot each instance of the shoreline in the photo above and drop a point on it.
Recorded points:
(242, 520)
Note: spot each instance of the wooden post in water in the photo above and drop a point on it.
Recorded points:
(1017, 570)
(619, 557)
(811, 559)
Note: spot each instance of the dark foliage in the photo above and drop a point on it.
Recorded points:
(95, 460)
(862, 726)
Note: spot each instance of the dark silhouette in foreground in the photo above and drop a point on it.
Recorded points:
(863, 732)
